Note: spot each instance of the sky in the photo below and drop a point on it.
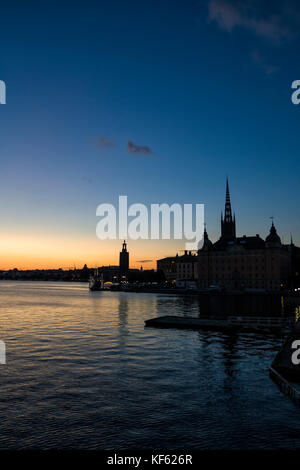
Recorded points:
(156, 100)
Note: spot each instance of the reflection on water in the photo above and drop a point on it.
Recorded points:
(83, 372)
(246, 304)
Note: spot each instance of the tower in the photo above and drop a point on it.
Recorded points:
(228, 222)
(124, 260)
(273, 239)
(206, 241)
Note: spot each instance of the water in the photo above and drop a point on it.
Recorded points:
(83, 372)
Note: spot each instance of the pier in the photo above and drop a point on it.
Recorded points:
(283, 362)
(285, 386)
(231, 323)
(284, 369)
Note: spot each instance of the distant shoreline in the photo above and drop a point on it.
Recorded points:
(177, 291)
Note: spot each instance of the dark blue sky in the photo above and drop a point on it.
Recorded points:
(205, 86)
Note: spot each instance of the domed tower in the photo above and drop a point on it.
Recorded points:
(206, 241)
(273, 239)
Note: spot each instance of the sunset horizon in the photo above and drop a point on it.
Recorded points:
(150, 231)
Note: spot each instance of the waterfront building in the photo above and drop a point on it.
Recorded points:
(168, 267)
(234, 263)
(179, 268)
(243, 262)
(116, 273)
(109, 273)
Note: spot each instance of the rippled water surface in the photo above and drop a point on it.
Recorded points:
(83, 372)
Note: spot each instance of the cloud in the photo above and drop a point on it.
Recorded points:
(138, 149)
(267, 68)
(144, 261)
(226, 15)
(104, 142)
(250, 15)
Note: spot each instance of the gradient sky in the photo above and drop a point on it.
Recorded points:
(157, 100)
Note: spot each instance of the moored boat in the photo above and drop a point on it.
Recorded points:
(96, 282)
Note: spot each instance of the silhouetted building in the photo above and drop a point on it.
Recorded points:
(186, 267)
(168, 267)
(178, 268)
(295, 270)
(243, 262)
(109, 273)
(124, 260)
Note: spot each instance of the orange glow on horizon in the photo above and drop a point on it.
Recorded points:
(42, 251)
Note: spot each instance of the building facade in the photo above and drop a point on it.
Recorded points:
(179, 268)
(243, 262)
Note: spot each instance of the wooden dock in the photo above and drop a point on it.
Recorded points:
(285, 386)
(169, 321)
(283, 363)
(229, 324)
(283, 369)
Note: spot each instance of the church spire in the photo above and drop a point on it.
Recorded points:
(228, 213)
(227, 191)
(228, 223)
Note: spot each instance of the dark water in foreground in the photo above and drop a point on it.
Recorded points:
(82, 372)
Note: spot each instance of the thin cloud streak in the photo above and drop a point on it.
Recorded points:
(138, 149)
(103, 141)
(273, 27)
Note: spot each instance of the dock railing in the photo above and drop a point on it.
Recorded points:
(285, 386)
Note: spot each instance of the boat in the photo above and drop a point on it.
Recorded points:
(96, 281)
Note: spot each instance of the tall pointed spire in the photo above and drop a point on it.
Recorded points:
(228, 213)
(227, 191)
(228, 223)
